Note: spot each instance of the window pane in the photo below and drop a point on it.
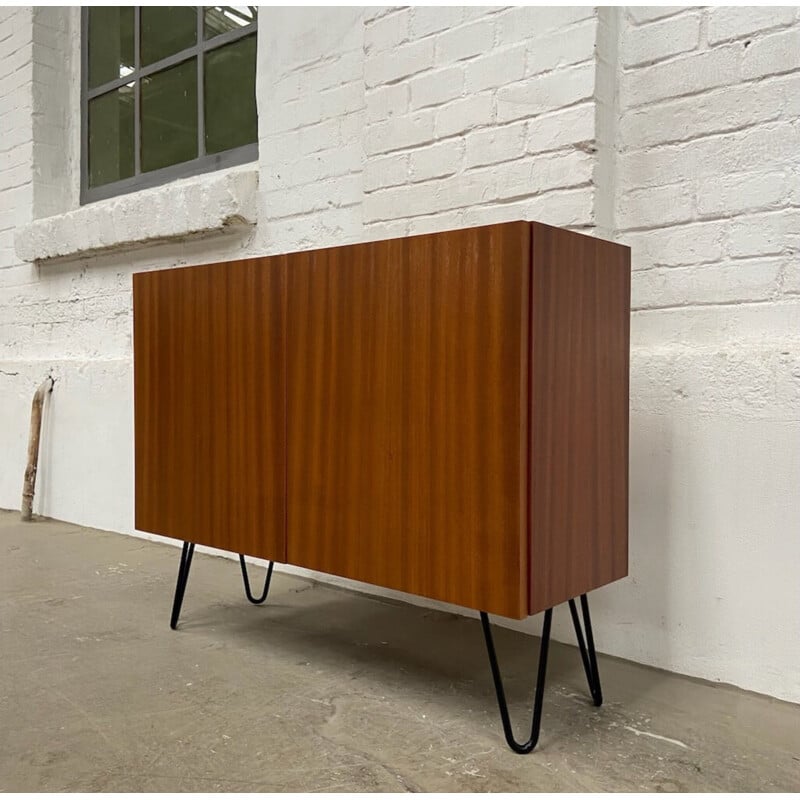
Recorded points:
(111, 136)
(230, 95)
(169, 116)
(110, 44)
(166, 30)
(220, 19)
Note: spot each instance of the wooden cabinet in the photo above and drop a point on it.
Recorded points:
(446, 415)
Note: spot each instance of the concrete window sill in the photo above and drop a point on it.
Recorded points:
(201, 204)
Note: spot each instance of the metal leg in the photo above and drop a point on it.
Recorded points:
(588, 656)
(180, 587)
(528, 746)
(589, 659)
(255, 601)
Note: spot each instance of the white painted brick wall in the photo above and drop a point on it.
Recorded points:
(710, 133)
(647, 44)
(673, 129)
(707, 185)
(487, 85)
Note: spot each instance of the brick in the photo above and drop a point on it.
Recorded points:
(562, 48)
(435, 88)
(400, 132)
(531, 176)
(772, 54)
(338, 192)
(465, 41)
(322, 136)
(736, 22)
(678, 246)
(562, 207)
(458, 191)
(552, 131)
(544, 93)
(380, 173)
(387, 101)
(495, 145)
(401, 62)
(719, 111)
(400, 203)
(713, 283)
(683, 75)
(523, 23)
(442, 221)
(761, 147)
(655, 207)
(347, 98)
(433, 19)
(463, 115)
(496, 68)
(387, 32)
(437, 161)
(309, 169)
(294, 115)
(741, 192)
(346, 67)
(659, 40)
(765, 234)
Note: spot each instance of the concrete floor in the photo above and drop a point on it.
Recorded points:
(323, 690)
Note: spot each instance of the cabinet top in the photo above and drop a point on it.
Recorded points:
(584, 240)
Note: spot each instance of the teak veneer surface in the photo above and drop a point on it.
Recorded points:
(446, 414)
(407, 364)
(579, 423)
(210, 405)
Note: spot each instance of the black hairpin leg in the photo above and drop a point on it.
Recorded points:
(589, 659)
(180, 587)
(589, 664)
(528, 746)
(183, 577)
(255, 600)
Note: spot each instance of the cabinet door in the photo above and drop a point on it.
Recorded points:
(209, 364)
(408, 414)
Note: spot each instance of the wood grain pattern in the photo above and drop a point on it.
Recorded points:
(209, 345)
(407, 414)
(579, 421)
(446, 415)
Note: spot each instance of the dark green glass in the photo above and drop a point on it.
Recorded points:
(169, 116)
(230, 95)
(111, 136)
(221, 19)
(110, 44)
(166, 30)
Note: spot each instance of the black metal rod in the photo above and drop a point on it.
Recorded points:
(180, 587)
(588, 657)
(255, 601)
(536, 721)
(588, 653)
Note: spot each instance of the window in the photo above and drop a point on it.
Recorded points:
(167, 91)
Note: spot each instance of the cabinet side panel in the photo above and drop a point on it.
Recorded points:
(209, 392)
(408, 414)
(580, 352)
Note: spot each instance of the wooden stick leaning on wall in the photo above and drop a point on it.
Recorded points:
(29, 483)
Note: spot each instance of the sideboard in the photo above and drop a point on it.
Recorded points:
(445, 415)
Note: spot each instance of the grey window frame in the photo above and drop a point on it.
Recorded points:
(204, 162)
